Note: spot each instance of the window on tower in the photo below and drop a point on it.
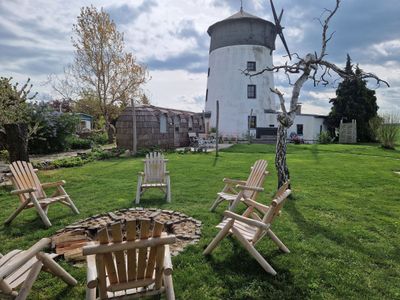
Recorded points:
(252, 121)
(206, 95)
(300, 129)
(208, 73)
(251, 66)
(251, 91)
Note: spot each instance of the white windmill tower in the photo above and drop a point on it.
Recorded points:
(241, 42)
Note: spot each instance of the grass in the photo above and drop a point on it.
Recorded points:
(342, 224)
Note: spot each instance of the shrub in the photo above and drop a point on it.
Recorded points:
(75, 142)
(324, 138)
(99, 138)
(4, 156)
(386, 129)
(51, 130)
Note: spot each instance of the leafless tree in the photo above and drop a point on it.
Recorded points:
(313, 67)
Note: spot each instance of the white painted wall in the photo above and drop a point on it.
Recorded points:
(311, 127)
(228, 84)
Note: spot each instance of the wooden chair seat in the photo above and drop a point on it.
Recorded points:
(235, 191)
(47, 201)
(19, 269)
(31, 192)
(250, 227)
(155, 175)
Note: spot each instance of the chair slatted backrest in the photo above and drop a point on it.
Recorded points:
(134, 265)
(24, 177)
(273, 210)
(155, 166)
(256, 177)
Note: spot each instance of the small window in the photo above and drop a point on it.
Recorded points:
(300, 129)
(252, 121)
(190, 125)
(208, 73)
(320, 129)
(206, 95)
(251, 66)
(163, 124)
(251, 91)
(271, 125)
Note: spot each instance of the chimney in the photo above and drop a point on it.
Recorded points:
(298, 109)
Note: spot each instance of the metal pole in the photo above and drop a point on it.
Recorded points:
(217, 131)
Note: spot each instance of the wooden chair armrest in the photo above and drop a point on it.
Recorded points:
(35, 170)
(250, 188)
(261, 207)
(166, 172)
(141, 173)
(248, 221)
(23, 257)
(167, 261)
(53, 184)
(28, 190)
(233, 181)
(91, 276)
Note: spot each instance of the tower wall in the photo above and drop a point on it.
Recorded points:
(228, 84)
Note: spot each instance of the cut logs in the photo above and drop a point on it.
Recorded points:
(70, 240)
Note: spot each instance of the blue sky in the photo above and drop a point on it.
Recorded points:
(170, 38)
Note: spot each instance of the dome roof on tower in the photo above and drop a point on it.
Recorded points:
(242, 28)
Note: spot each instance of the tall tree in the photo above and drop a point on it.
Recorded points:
(314, 67)
(354, 100)
(13, 117)
(101, 64)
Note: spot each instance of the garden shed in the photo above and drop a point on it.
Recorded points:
(157, 127)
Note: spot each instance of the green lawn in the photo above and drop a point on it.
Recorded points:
(342, 224)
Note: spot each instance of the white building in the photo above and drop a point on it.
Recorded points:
(245, 42)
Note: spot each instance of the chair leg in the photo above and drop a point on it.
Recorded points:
(249, 247)
(235, 202)
(68, 199)
(168, 189)
(55, 268)
(138, 189)
(169, 287)
(40, 211)
(216, 203)
(223, 232)
(16, 212)
(277, 241)
(27, 285)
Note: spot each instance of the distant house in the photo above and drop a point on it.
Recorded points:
(157, 127)
(85, 122)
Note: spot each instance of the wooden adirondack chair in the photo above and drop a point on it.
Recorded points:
(155, 175)
(238, 190)
(133, 268)
(31, 192)
(21, 268)
(250, 227)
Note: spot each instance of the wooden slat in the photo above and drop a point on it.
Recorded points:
(144, 234)
(159, 266)
(101, 275)
(35, 178)
(19, 180)
(131, 253)
(8, 256)
(19, 276)
(28, 177)
(157, 230)
(108, 259)
(119, 255)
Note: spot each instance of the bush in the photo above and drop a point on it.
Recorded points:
(99, 138)
(386, 129)
(324, 138)
(50, 130)
(75, 142)
(4, 156)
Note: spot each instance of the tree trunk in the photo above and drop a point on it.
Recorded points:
(17, 141)
(280, 156)
(110, 132)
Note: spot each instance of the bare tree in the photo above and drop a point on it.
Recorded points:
(313, 67)
(102, 65)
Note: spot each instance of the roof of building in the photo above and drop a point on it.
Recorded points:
(152, 108)
(242, 14)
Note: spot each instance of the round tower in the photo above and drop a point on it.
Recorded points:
(240, 42)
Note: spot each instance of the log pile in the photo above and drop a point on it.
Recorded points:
(70, 240)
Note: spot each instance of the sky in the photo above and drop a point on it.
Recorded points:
(170, 38)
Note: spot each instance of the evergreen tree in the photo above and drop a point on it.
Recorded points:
(354, 101)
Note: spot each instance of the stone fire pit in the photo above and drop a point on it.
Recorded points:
(70, 240)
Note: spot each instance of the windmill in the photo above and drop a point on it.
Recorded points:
(279, 28)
